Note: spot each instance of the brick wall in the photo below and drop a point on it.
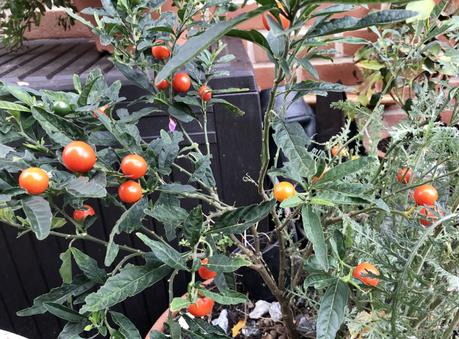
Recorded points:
(341, 69)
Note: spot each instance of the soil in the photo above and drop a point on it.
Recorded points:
(265, 327)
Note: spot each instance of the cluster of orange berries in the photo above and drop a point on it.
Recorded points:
(79, 157)
(424, 195)
(181, 82)
(203, 305)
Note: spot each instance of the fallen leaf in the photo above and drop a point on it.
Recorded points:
(237, 328)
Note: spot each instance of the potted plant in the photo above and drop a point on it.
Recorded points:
(366, 242)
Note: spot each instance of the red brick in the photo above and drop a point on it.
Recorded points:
(259, 54)
(264, 74)
(49, 28)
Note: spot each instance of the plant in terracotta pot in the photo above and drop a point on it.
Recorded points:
(362, 248)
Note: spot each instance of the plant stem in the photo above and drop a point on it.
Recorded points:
(265, 155)
(123, 261)
(259, 266)
(82, 236)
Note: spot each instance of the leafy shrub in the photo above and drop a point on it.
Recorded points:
(349, 206)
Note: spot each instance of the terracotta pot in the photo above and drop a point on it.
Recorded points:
(159, 323)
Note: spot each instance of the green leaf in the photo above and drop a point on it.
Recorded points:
(236, 111)
(198, 43)
(64, 312)
(203, 171)
(318, 88)
(126, 327)
(201, 329)
(349, 23)
(314, 232)
(52, 127)
(9, 106)
(131, 219)
(331, 312)
(344, 169)
(167, 211)
(337, 198)
(423, 7)
(66, 267)
(333, 10)
(192, 226)
(112, 248)
(308, 67)
(250, 35)
(225, 297)
(56, 295)
(240, 219)
(4, 150)
(88, 266)
(157, 335)
(293, 201)
(83, 187)
(178, 304)
(165, 253)
(181, 112)
(128, 282)
(20, 93)
(136, 75)
(176, 188)
(166, 150)
(39, 214)
(319, 280)
(72, 330)
(292, 140)
(222, 264)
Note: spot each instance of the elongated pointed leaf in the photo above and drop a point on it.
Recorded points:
(314, 232)
(65, 270)
(198, 43)
(64, 312)
(331, 312)
(226, 297)
(167, 211)
(240, 219)
(318, 88)
(51, 127)
(131, 220)
(57, 295)
(222, 264)
(292, 140)
(39, 214)
(344, 169)
(350, 23)
(72, 330)
(178, 304)
(165, 253)
(10, 106)
(127, 283)
(193, 225)
(88, 266)
(126, 327)
(250, 35)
